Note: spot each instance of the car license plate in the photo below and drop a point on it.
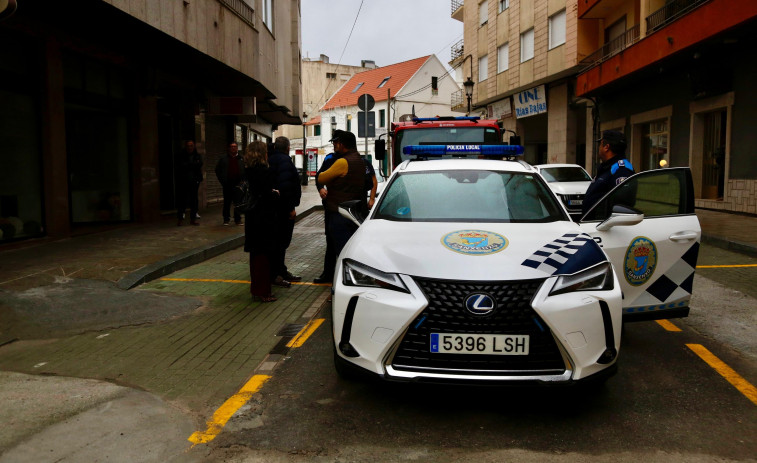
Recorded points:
(575, 202)
(486, 344)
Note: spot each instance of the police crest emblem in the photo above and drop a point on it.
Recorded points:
(640, 261)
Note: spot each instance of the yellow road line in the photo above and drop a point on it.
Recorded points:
(668, 325)
(305, 333)
(227, 410)
(247, 282)
(727, 266)
(726, 372)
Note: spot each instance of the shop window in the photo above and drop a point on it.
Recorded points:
(654, 146)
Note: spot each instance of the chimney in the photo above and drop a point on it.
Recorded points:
(368, 64)
(324, 58)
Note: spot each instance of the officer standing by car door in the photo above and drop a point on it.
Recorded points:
(612, 171)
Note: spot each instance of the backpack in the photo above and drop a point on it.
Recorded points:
(244, 200)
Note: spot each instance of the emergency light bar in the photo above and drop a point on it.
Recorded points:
(462, 150)
(446, 118)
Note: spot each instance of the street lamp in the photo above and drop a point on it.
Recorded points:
(304, 149)
(468, 84)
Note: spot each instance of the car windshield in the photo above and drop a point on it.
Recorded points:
(468, 196)
(565, 174)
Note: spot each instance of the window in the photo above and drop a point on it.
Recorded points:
(358, 87)
(557, 29)
(654, 145)
(503, 5)
(526, 45)
(317, 130)
(434, 85)
(483, 12)
(383, 82)
(483, 68)
(331, 75)
(503, 58)
(267, 15)
(382, 117)
(348, 122)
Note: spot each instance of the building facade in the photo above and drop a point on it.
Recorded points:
(522, 56)
(677, 78)
(98, 95)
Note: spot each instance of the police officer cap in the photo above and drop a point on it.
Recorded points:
(613, 137)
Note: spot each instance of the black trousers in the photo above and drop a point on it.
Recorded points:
(187, 194)
(329, 259)
(283, 231)
(228, 204)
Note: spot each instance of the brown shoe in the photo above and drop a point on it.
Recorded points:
(279, 281)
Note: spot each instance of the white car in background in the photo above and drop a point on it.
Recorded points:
(469, 270)
(569, 182)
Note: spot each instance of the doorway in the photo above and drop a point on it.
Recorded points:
(713, 154)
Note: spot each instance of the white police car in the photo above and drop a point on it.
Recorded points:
(470, 270)
(569, 182)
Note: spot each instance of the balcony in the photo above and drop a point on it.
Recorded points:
(458, 101)
(457, 51)
(457, 10)
(670, 13)
(241, 9)
(612, 48)
(669, 31)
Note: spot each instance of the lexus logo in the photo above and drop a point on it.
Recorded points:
(480, 304)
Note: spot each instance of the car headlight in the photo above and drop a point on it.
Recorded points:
(357, 274)
(597, 278)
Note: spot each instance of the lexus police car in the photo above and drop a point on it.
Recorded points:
(471, 270)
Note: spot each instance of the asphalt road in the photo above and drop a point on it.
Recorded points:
(135, 384)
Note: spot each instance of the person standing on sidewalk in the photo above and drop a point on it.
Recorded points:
(612, 171)
(329, 258)
(188, 178)
(260, 220)
(229, 171)
(345, 181)
(287, 182)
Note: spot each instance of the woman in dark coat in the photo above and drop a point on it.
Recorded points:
(259, 222)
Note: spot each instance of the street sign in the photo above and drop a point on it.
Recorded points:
(365, 102)
(361, 124)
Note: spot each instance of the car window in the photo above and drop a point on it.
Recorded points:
(564, 174)
(658, 193)
(468, 196)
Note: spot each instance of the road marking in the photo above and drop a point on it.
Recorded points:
(726, 372)
(227, 410)
(668, 325)
(247, 282)
(727, 266)
(305, 333)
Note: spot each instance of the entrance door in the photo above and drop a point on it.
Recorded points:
(713, 155)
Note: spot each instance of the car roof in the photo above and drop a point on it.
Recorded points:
(542, 166)
(464, 164)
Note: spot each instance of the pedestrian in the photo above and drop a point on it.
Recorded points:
(329, 258)
(371, 183)
(229, 170)
(612, 171)
(188, 174)
(260, 220)
(287, 182)
(345, 181)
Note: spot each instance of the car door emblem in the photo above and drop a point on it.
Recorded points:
(480, 304)
(640, 261)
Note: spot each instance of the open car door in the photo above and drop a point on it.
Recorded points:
(648, 228)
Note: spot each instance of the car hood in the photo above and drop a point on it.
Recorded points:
(569, 188)
(465, 251)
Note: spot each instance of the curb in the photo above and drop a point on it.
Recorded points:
(730, 245)
(186, 259)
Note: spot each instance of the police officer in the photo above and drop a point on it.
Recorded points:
(613, 170)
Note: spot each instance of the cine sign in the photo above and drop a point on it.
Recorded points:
(530, 102)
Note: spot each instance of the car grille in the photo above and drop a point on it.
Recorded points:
(566, 199)
(446, 313)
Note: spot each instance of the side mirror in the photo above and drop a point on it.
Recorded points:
(621, 216)
(354, 210)
(379, 150)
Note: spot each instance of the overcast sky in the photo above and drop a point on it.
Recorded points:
(387, 31)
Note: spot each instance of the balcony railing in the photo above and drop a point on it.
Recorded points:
(241, 9)
(457, 99)
(457, 51)
(456, 4)
(612, 47)
(670, 12)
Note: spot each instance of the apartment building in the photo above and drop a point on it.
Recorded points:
(677, 77)
(98, 95)
(521, 57)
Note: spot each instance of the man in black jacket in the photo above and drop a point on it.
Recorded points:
(612, 171)
(230, 170)
(287, 182)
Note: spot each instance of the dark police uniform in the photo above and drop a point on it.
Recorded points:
(610, 173)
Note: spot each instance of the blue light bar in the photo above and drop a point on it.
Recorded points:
(454, 149)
